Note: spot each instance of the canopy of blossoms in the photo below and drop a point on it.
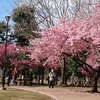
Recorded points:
(70, 38)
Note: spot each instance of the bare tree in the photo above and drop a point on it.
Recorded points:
(47, 12)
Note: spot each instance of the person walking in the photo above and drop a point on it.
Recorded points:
(14, 76)
(9, 76)
(51, 79)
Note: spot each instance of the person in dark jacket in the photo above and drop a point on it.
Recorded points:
(51, 78)
(9, 76)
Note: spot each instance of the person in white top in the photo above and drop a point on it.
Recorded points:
(51, 78)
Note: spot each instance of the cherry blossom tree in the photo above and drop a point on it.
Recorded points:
(12, 53)
(13, 56)
(77, 39)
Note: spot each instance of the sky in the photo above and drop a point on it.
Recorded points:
(5, 9)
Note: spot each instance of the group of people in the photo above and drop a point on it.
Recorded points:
(11, 76)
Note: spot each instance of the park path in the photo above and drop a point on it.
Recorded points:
(60, 93)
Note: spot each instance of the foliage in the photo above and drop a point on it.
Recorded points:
(2, 30)
(15, 57)
(77, 39)
(2, 26)
(25, 23)
(12, 53)
(47, 12)
(69, 39)
(73, 67)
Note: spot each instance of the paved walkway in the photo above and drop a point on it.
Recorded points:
(60, 93)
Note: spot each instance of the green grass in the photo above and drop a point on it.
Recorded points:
(12, 94)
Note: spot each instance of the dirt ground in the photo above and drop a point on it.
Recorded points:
(65, 93)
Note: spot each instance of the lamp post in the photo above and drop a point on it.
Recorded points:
(5, 55)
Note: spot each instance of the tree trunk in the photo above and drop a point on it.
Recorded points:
(42, 82)
(94, 82)
(63, 72)
(39, 79)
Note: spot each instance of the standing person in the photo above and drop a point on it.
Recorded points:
(51, 78)
(9, 76)
(14, 76)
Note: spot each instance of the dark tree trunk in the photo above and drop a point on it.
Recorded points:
(42, 82)
(94, 82)
(39, 79)
(63, 72)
